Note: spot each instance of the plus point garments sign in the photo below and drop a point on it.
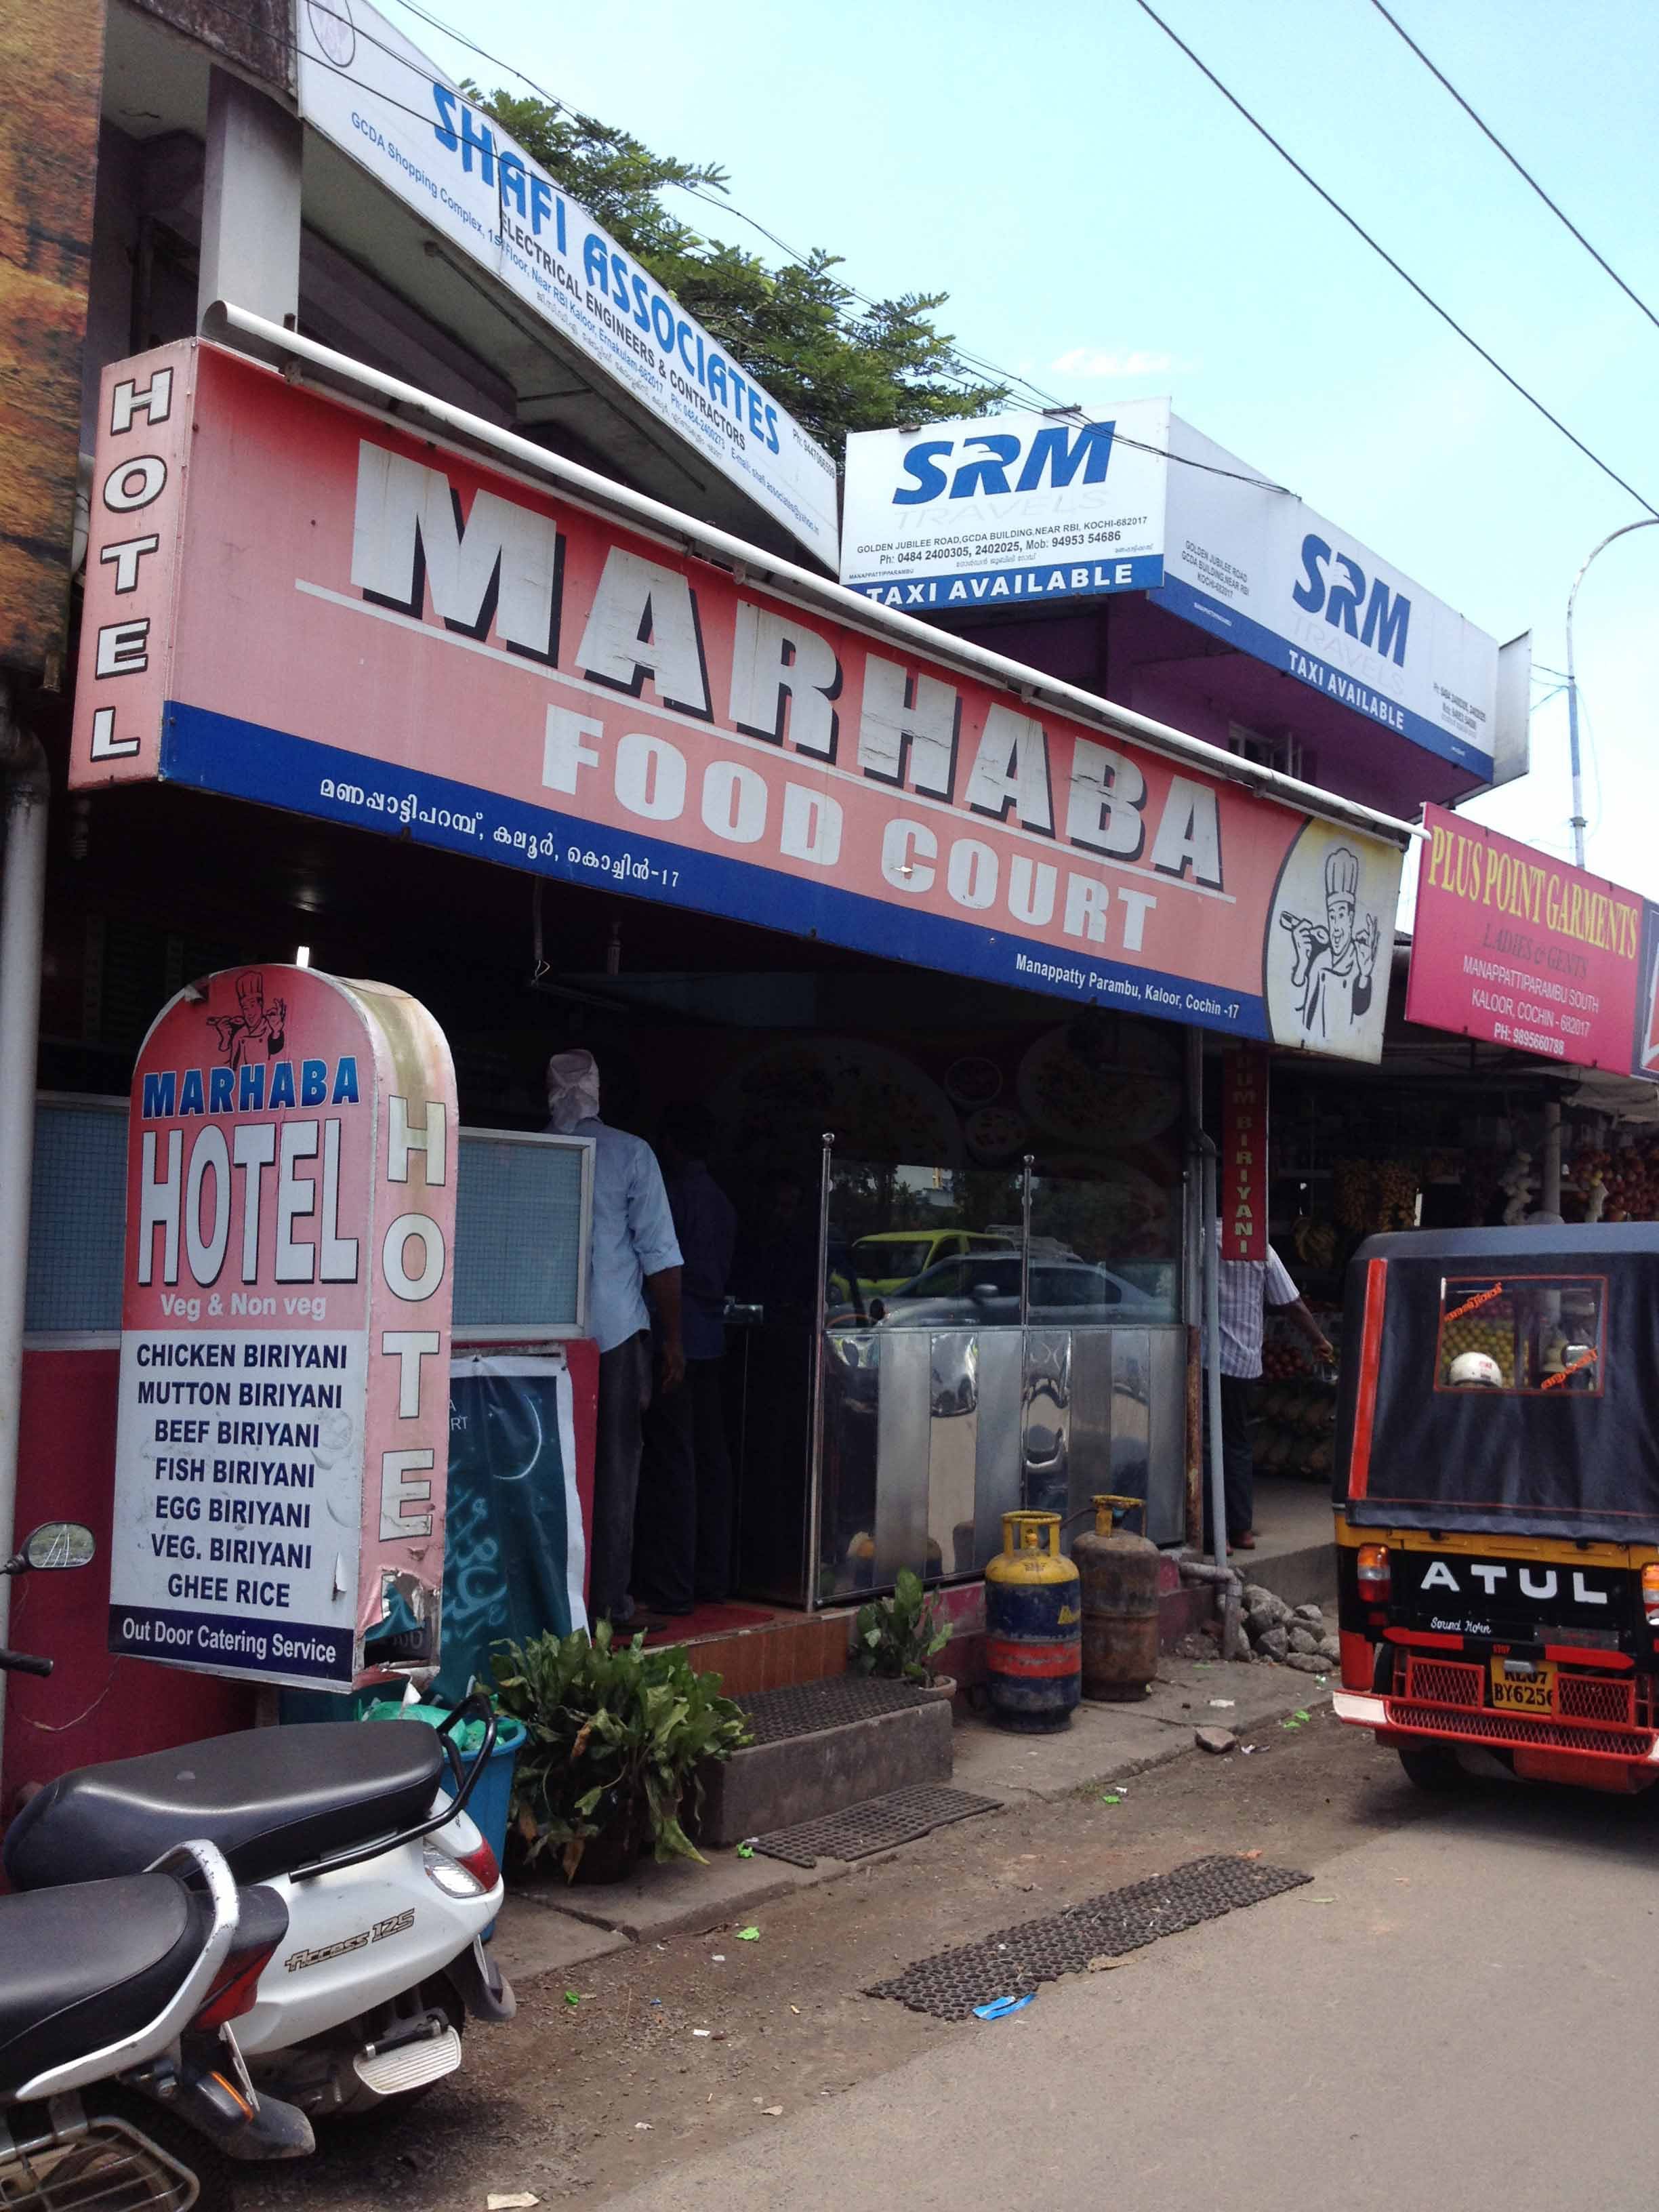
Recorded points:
(1511, 946)
(330, 614)
(1013, 509)
(283, 1425)
(378, 97)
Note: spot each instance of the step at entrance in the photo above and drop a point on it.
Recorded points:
(755, 1648)
(820, 1746)
(880, 1824)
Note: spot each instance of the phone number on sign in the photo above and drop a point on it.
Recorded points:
(1529, 1040)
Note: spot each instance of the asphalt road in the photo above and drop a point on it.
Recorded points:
(1451, 2014)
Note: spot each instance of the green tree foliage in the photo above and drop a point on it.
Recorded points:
(835, 363)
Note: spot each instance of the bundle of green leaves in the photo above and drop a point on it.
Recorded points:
(837, 362)
(898, 1637)
(616, 1736)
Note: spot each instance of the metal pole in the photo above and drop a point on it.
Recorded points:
(23, 905)
(1213, 1353)
(1026, 1244)
(1549, 1193)
(1623, 531)
(820, 1325)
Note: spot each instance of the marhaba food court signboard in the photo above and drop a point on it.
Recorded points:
(283, 1428)
(329, 614)
(1014, 509)
(363, 84)
(1514, 947)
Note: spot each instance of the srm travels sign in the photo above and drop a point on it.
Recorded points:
(332, 615)
(283, 1425)
(1026, 509)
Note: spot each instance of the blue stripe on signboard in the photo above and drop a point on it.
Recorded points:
(1362, 698)
(246, 760)
(1070, 579)
(231, 1643)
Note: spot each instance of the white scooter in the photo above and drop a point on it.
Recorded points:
(121, 2084)
(121, 2080)
(388, 1887)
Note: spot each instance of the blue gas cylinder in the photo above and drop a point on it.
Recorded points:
(1033, 1627)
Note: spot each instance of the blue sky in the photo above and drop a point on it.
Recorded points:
(1104, 223)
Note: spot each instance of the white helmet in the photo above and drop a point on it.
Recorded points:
(1476, 1370)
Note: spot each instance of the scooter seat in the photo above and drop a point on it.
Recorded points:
(271, 1799)
(82, 1968)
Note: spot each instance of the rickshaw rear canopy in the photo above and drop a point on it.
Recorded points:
(1565, 1443)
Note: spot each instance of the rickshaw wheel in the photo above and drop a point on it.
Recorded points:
(1431, 1766)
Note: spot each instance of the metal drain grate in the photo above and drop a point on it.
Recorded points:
(808, 1708)
(877, 1824)
(1013, 1960)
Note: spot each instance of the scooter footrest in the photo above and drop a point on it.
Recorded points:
(410, 2066)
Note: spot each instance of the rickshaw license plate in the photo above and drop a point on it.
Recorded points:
(1523, 1694)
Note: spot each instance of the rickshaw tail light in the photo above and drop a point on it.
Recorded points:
(1650, 1592)
(1375, 1576)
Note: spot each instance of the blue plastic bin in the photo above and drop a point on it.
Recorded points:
(491, 1800)
(492, 1794)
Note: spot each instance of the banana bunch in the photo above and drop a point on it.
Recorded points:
(1353, 1190)
(1315, 1243)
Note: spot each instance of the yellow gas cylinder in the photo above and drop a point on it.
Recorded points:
(1119, 1576)
(1033, 1627)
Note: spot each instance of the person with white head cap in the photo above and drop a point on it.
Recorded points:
(632, 1252)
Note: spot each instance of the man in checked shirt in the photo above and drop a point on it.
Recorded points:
(1248, 1289)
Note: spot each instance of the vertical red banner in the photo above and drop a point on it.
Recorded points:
(1244, 1155)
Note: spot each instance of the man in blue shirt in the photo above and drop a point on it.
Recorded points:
(682, 1531)
(632, 1249)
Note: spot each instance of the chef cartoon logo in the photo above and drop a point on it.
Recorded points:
(1328, 936)
(257, 1030)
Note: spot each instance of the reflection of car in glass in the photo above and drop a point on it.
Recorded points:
(892, 1258)
(984, 1288)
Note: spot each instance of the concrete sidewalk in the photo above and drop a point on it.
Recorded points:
(546, 1927)
(1295, 1553)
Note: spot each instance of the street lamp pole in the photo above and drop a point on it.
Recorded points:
(1623, 531)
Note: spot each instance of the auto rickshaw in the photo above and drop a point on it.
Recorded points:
(1497, 1498)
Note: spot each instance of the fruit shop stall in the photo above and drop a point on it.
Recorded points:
(1439, 1135)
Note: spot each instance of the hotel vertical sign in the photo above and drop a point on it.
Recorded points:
(283, 1417)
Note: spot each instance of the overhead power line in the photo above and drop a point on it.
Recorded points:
(1518, 166)
(969, 367)
(1382, 251)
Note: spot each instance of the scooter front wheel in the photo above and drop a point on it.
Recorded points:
(133, 2157)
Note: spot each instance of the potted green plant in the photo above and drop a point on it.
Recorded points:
(615, 1735)
(897, 1638)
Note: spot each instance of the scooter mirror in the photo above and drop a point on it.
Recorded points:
(59, 1544)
